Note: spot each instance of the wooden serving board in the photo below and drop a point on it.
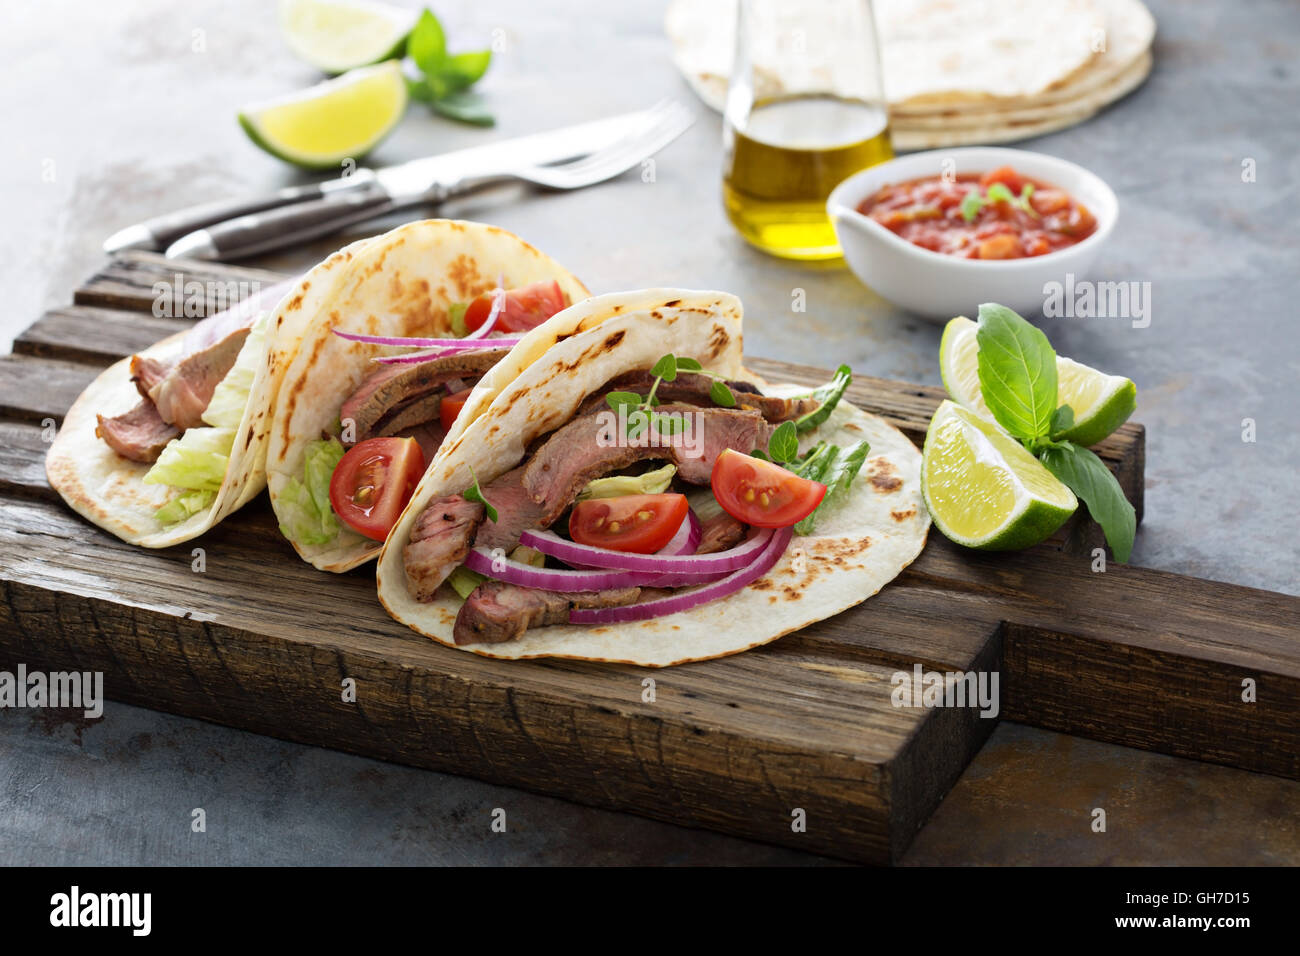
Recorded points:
(260, 640)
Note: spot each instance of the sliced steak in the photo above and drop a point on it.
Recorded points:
(394, 396)
(497, 612)
(183, 393)
(439, 541)
(693, 389)
(139, 434)
(584, 450)
(516, 513)
(720, 533)
(147, 373)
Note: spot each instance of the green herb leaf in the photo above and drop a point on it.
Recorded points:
(668, 424)
(665, 368)
(1017, 372)
(637, 422)
(465, 106)
(689, 365)
(463, 70)
(971, 204)
(420, 90)
(998, 192)
(1085, 474)
(759, 454)
(1062, 420)
(829, 396)
(617, 400)
(838, 472)
(813, 465)
(721, 394)
(475, 493)
(784, 443)
(456, 319)
(427, 44)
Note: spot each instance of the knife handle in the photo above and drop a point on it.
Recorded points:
(161, 231)
(260, 232)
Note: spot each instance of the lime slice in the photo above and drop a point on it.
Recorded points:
(340, 35)
(339, 119)
(983, 489)
(1101, 402)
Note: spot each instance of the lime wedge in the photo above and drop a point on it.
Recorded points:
(339, 119)
(983, 489)
(1101, 402)
(340, 35)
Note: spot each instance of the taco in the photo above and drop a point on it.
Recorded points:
(631, 493)
(360, 415)
(165, 444)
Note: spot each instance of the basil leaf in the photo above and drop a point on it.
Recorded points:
(475, 493)
(841, 468)
(665, 368)
(466, 107)
(1085, 474)
(971, 205)
(617, 400)
(829, 396)
(427, 44)
(784, 443)
(420, 89)
(721, 394)
(1017, 372)
(463, 70)
(1062, 420)
(689, 365)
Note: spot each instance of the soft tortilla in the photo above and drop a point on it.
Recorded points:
(400, 285)
(859, 547)
(107, 489)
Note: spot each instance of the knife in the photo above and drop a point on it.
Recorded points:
(321, 208)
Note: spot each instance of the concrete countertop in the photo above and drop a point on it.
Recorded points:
(120, 112)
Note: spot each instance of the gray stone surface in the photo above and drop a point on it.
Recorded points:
(115, 113)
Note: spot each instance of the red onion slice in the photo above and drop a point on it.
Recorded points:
(570, 552)
(774, 545)
(687, 537)
(498, 306)
(550, 579)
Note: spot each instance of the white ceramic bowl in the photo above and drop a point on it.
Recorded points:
(938, 286)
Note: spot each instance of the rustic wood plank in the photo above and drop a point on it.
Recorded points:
(22, 460)
(32, 390)
(150, 282)
(94, 335)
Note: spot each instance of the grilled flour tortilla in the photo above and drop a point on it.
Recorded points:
(116, 431)
(401, 285)
(876, 530)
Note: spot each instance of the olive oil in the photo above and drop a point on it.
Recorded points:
(779, 170)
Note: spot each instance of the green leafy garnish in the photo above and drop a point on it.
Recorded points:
(456, 319)
(475, 493)
(837, 468)
(639, 415)
(446, 77)
(721, 394)
(665, 368)
(973, 202)
(1086, 475)
(783, 446)
(463, 581)
(185, 505)
(689, 365)
(828, 396)
(1062, 420)
(306, 516)
(617, 400)
(1017, 372)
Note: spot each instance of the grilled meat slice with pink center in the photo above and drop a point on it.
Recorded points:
(497, 612)
(585, 449)
(397, 397)
(439, 542)
(183, 394)
(694, 389)
(139, 434)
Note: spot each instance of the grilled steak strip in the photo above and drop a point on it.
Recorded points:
(439, 541)
(184, 392)
(583, 450)
(497, 612)
(139, 434)
(147, 373)
(391, 398)
(720, 533)
(694, 389)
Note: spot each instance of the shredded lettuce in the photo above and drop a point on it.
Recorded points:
(463, 581)
(304, 505)
(183, 506)
(456, 319)
(197, 461)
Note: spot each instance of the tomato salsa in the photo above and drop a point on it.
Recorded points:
(999, 215)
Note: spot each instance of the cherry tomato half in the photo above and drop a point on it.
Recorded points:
(762, 493)
(639, 524)
(526, 307)
(450, 406)
(373, 482)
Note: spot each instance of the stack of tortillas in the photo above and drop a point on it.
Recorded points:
(958, 72)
